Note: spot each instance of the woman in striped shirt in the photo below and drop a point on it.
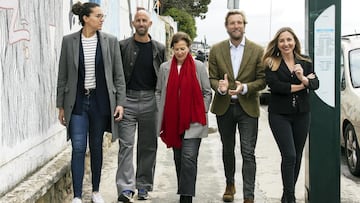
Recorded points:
(90, 92)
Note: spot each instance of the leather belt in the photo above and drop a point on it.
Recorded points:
(88, 92)
(234, 101)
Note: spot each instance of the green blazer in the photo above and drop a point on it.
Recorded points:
(251, 72)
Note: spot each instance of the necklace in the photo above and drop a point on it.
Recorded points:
(290, 64)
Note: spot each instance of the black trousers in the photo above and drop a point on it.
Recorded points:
(236, 117)
(290, 132)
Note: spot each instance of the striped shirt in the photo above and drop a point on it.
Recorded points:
(89, 48)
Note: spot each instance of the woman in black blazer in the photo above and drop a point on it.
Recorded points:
(290, 76)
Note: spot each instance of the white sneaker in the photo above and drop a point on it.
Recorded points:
(76, 200)
(97, 198)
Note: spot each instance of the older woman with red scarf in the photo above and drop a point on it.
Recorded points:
(183, 95)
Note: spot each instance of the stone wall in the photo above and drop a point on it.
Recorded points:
(52, 183)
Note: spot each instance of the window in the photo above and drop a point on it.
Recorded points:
(342, 74)
(354, 67)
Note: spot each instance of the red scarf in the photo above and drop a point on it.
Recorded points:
(184, 102)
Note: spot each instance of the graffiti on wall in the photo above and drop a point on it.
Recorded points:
(15, 35)
(30, 41)
(29, 68)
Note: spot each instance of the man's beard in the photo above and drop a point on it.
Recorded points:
(236, 37)
(142, 32)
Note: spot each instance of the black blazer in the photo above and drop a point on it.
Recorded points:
(282, 100)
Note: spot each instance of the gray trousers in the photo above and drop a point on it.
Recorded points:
(141, 112)
(186, 165)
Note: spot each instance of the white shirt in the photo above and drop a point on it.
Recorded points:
(236, 53)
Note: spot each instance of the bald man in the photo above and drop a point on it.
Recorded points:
(141, 57)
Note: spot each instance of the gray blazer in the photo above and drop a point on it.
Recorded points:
(196, 130)
(68, 74)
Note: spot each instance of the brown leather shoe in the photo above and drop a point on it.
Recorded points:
(229, 193)
(248, 201)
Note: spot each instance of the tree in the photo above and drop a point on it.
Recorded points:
(196, 8)
(186, 22)
(184, 12)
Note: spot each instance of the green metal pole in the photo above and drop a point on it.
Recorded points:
(323, 31)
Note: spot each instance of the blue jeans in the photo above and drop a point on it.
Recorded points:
(92, 124)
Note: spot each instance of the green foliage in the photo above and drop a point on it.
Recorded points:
(186, 22)
(184, 12)
(196, 8)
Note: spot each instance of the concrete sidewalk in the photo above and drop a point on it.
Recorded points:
(210, 181)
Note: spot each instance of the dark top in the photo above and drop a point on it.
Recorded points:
(129, 55)
(101, 92)
(282, 100)
(143, 76)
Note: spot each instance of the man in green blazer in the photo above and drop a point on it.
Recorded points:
(236, 75)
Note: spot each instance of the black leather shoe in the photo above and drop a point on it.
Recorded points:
(185, 199)
(284, 199)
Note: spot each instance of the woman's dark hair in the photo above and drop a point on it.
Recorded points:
(177, 37)
(83, 9)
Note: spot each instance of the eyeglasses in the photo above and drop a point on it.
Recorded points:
(100, 16)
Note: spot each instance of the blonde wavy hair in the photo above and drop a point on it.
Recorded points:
(272, 56)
